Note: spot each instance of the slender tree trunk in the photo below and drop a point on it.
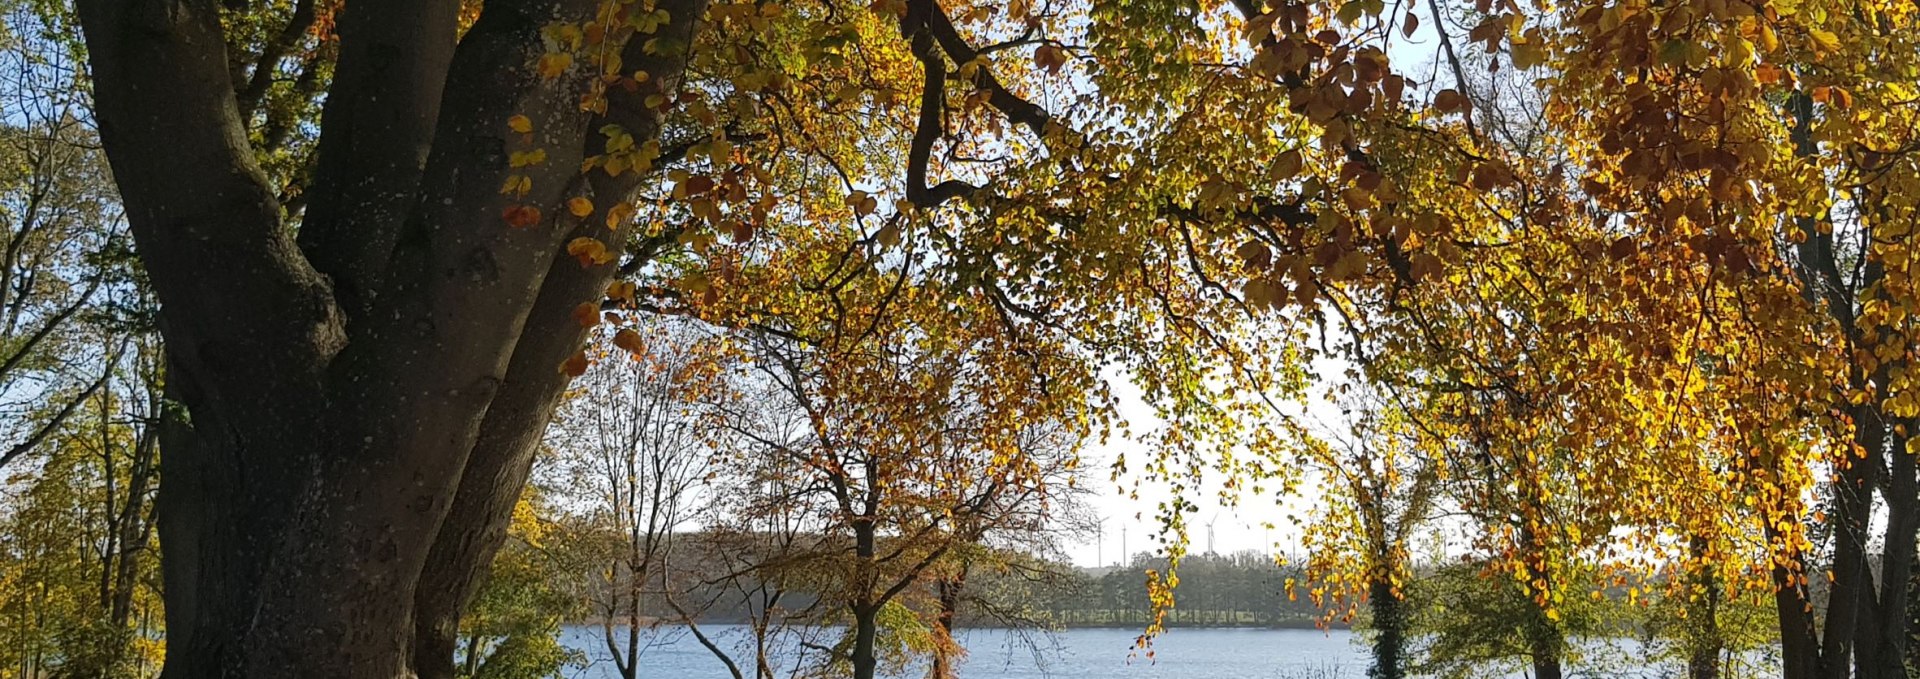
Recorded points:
(866, 631)
(1912, 623)
(945, 647)
(1704, 642)
(1390, 630)
(866, 613)
(1889, 630)
(1851, 599)
(1546, 660)
(1799, 647)
(135, 525)
(762, 664)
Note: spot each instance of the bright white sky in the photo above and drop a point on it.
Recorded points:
(1132, 522)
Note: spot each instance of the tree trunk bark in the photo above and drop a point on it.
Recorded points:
(1547, 667)
(866, 631)
(1704, 642)
(866, 612)
(1799, 647)
(1851, 595)
(1889, 632)
(1390, 631)
(361, 403)
(1912, 623)
(945, 648)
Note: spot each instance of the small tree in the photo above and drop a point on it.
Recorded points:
(918, 423)
(1381, 486)
(1469, 619)
(512, 628)
(629, 447)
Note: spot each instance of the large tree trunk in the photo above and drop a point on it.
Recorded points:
(361, 402)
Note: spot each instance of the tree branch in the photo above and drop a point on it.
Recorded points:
(378, 125)
(59, 419)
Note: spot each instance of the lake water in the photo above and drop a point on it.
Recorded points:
(1184, 653)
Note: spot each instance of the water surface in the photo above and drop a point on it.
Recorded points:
(1182, 653)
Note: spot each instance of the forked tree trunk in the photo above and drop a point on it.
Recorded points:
(362, 402)
(1890, 630)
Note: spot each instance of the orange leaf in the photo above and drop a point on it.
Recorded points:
(575, 365)
(589, 251)
(553, 64)
(587, 314)
(629, 340)
(579, 206)
(521, 216)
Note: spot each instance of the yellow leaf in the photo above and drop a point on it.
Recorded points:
(553, 64)
(618, 215)
(1825, 41)
(520, 123)
(590, 251)
(862, 203)
(579, 206)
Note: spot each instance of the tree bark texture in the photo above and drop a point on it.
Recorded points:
(363, 399)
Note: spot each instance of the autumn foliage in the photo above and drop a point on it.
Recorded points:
(1626, 287)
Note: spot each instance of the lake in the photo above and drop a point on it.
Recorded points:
(1184, 653)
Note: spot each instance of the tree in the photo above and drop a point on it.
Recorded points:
(1695, 272)
(511, 630)
(1467, 623)
(905, 418)
(629, 450)
(367, 372)
(77, 560)
(62, 241)
(401, 338)
(1382, 488)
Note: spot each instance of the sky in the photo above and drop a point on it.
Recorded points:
(1130, 524)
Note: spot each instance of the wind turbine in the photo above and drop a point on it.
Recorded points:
(1216, 517)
